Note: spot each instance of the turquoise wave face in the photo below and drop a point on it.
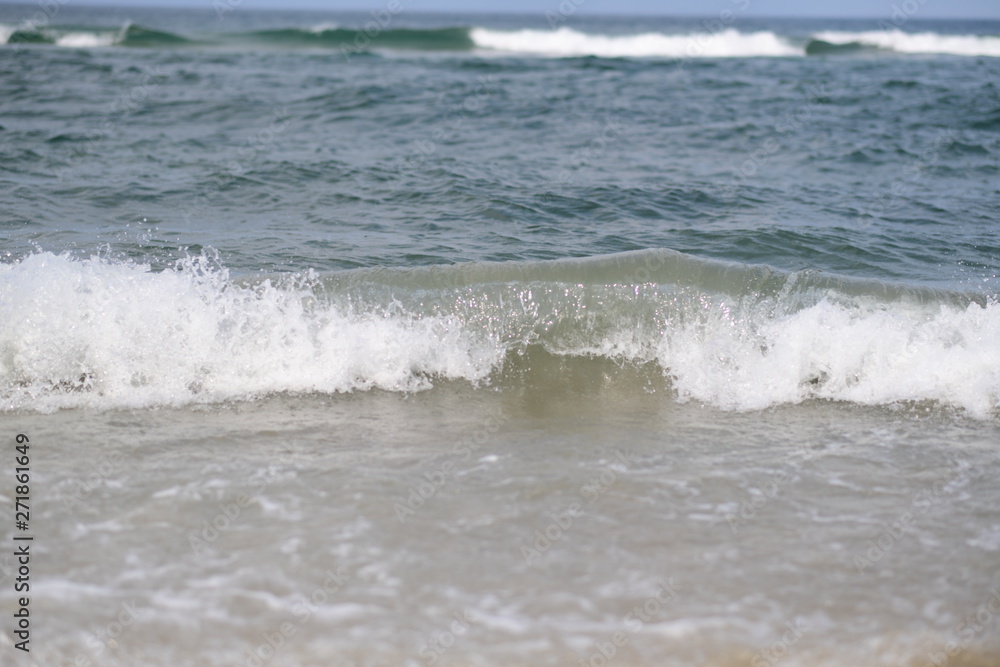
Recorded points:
(441, 39)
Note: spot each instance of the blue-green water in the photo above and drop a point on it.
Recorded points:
(279, 152)
(285, 159)
(742, 272)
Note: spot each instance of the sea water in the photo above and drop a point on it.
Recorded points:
(412, 339)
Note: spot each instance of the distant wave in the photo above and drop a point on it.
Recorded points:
(133, 35)
(85, 40)
(126, 35)
(898, 41)
(563, 42)
(111, 334)
(568, 42)
(324, 36)
(730, 43)
(820, 47)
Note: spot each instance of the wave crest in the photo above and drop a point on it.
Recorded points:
(561, 42)
(569, 42)
(105, 334)
(919, 42)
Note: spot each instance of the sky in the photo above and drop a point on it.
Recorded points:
(930, 9)
(827, 8)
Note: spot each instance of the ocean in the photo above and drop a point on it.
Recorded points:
(403, 339)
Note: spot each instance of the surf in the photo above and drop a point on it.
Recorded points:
(105, 333)
(563, 42)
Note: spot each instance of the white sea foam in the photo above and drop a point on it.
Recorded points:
(323, 27)
(5, 32)
(85, 40)
(98, 333)
(869, 354)
(568, 42)
(103, 334)
(918, 42)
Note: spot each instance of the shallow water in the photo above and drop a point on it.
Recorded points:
(542, 517)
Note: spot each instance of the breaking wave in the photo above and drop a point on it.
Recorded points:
(562, 42)
(110, 334)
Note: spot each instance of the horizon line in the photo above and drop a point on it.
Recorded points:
(202, 5)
